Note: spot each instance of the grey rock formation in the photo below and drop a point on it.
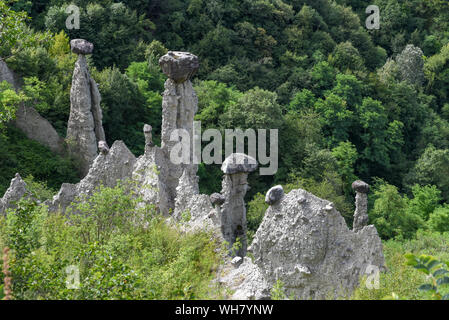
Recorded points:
(81, 46)
(147, 131)
(106, 169)
(233, 212)
(84, 128)
(217, 199)
(361, 205)
(274, 195)
(103, 147)
(8, 75)
(64, 198)
(179, 105)
(156, 170)
(29, 121)
(237, 261)
(147, 173)
(247, 281)
(360, 186)
(186, 190)
(16, 191)
(116, 165)
(311, 250)
(179, 66)
(238, 163)
(37, 128)
(302, 240)
(193, 208)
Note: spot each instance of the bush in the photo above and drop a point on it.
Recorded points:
(106, 212)
(425, 201)
(9, 101)
(114, 29)
(436, 271)
(38, 189)
(120, 252)
(23, 237)
(390, 214)
(439, 219)
(128, 102)
(401, 281)
(20, 154)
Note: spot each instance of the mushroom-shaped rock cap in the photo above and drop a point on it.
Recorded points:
(274, 195)
(217, 199)
(179, 66)
(147, 128)
(239, 163)
(360, 186)
(103, 147)
(81, 46)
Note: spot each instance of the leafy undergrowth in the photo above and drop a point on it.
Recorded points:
(120, 252)
(28, 157)
(402, 281)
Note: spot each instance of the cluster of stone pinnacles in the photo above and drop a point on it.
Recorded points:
(303, 240)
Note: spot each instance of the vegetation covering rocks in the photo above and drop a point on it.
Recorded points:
(349, 104)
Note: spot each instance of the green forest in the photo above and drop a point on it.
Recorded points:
(349, 103)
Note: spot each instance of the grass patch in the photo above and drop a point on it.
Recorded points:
(400, 279)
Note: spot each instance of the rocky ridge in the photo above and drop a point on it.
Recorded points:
(302, 241)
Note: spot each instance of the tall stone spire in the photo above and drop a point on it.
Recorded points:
(179, 105)
(361, 205)
(236, 168)
(84, 129)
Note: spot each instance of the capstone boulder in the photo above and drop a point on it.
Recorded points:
(81, 46)
(179, 66)
(274, 195)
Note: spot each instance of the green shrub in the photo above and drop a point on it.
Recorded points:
(439, 219)
(424, 202)
(400, 281)
(121, 252)
(390, 214)
(27, 157)
(278, 291)
(23, 237)
(106, 212)
(39, 190)
(437, 275)
(9, 101)
(328, 185)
